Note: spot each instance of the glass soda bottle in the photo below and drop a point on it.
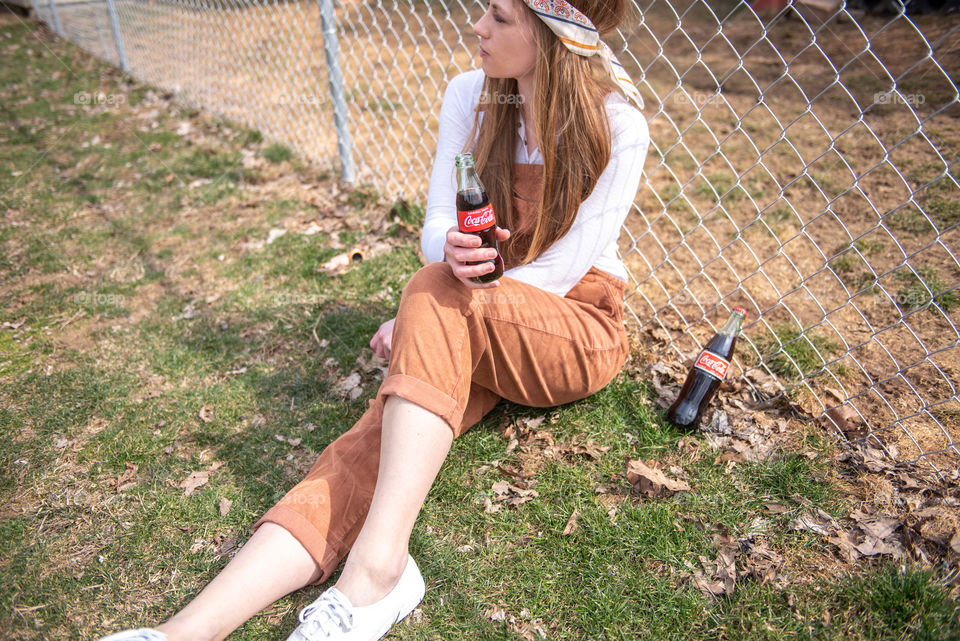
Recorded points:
(475, 213)
(707, 373)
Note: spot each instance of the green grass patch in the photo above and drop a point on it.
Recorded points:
(361, 196)
(277, 153)
(924, 286)
(795, 354)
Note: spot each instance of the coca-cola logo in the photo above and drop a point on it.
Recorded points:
(476, 219)
(712, 364)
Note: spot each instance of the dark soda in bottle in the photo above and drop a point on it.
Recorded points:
(475, 213)
(707, 373)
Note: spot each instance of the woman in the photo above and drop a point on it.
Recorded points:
(549, 332)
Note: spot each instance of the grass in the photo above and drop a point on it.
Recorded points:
(277, 153)
(923, 286)
(796, 354)
(160, 336)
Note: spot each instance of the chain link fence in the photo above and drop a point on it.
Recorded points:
(803, 164)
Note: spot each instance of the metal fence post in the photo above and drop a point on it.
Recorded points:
(332, 51)
(117, 35)
(56, 20)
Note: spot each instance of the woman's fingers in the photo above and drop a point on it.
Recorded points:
(468, 259)
(473, 255)
(382, 340)
(459, 239)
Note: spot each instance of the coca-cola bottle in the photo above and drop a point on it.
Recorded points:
(707, 373)
(475, 214)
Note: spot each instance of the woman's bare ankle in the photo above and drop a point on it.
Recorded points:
(181, 629)
(365, 582)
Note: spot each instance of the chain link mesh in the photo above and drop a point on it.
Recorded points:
(803, 165)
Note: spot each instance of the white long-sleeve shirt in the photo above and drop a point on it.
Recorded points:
(592, 240)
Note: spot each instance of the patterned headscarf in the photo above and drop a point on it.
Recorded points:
(577, 32)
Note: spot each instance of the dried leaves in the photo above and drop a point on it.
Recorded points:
(505, 493)
(369, 369)
(523, 625)
(924, 507)
(650, 480)
(196, 480)
(126, 480)
(749, 556)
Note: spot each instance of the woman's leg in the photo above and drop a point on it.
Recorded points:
(273, 563)
(414, 444)
(270, 565)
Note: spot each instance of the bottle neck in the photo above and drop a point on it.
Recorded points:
(467, 178)
(733, 325)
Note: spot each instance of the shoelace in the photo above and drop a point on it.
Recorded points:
(328, 609)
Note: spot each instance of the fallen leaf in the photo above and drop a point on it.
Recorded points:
(489, 507)
(591, 448)
(513, 495)
(872, 546)
(880, 527)
(712, 589)
(128, 475)
(847, 544)
(349, 386)
(765, 383)
(206, 413)
(818, 522)
(225, 545)
(519, 475)
(275, 233)
(719, 423)
(495, 614)
(533, 423)
(195, 480)
(571, 523)
(847, 420)
(762, 563)
(225, 504)
(651, 481)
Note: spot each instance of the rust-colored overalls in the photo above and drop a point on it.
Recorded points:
(455, 352)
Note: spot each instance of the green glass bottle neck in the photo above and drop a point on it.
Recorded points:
(733, 324)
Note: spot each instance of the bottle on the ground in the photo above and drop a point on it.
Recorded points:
(475, 213)
(707, 373)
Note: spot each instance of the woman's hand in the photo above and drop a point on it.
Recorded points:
(380, 343)
(462, 249)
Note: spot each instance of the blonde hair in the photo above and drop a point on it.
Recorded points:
(569, 93)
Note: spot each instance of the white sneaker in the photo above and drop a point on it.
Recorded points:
(141, 634)
(333, 618)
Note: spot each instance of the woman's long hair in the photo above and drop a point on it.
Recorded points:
(569, 101)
